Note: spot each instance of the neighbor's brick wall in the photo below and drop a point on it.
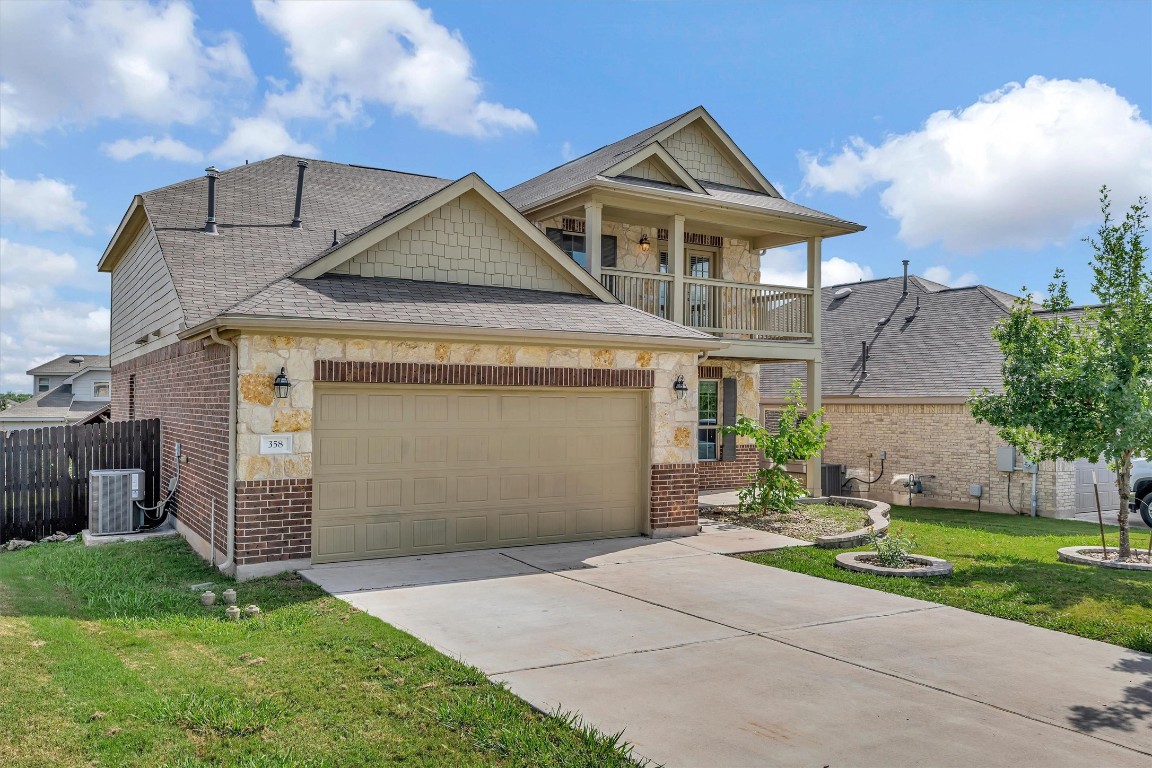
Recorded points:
(675, 496)
(273, 520)
(942, 440)
(185, 385)
(730, 474)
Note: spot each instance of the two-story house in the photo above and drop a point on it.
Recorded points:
(363, 363)
(71, 389)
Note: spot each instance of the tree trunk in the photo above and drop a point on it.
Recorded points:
(1123, 481)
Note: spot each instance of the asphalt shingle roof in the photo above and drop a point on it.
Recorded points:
(582, 169)
(946, 350)
(60, 366)
(395, 300)
(56, 403)
(256, 244)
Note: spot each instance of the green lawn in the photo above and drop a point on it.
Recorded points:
(107, 658)
(1006, 566)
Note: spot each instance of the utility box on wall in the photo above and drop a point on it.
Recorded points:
(1006, 458)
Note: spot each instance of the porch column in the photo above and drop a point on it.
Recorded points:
(815, 381)
(593, 228)
(812, 404)
(676, 267)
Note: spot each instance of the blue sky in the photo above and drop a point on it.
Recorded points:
(969, 137)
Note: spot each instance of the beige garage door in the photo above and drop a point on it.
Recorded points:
(401, 471)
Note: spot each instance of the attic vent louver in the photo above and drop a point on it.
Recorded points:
(212, 173)
(302, 164)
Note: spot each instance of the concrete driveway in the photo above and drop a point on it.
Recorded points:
(705, 660)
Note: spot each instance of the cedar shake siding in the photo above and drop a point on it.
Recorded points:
(185, 385)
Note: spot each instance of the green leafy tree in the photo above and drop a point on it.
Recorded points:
(11, 398)
(1078, 383)
(796, 439)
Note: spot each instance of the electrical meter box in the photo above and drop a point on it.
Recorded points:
(1006, 458)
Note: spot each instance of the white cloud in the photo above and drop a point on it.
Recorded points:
(567, 152)
(788, 266)
(46, 205)
(1021, 167)
(36, 322)
(943, 275)
(255, 138)
(351, 54)
(67, 63)
(163, 148)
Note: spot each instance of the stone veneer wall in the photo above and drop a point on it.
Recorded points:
(673, 423)
(185, 385)
(738, 262)
(942, 440)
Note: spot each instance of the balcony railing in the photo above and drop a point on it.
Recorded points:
(719, 307)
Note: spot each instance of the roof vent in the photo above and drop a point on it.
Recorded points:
(301, 164)
(212, 173)
(843, 293)
(905, 263)
(882, 322)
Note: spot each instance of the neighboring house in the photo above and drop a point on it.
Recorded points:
(928, 348)
(466, 369)
(72, 389)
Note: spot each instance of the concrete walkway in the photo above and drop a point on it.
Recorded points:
(706, 660)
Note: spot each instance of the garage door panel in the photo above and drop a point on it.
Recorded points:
(416, 471)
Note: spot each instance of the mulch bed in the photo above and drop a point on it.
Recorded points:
(1137, 557)
(806, 522)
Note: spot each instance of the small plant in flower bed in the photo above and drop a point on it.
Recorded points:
(892, 550)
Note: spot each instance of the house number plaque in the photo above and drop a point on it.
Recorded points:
(275, 444)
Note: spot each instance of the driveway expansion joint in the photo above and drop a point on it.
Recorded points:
(621, 654)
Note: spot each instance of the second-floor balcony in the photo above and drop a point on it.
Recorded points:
(751, 311)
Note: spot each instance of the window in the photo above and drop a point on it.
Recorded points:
(42, 384)
(574, 245)
(102, 389)
(709, 407)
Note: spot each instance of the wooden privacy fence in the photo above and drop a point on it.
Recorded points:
(45, 472)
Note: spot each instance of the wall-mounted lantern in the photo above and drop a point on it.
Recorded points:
(644, 244)
(680, 387)
(281, 384)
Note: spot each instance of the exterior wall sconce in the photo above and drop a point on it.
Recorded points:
(680, 387)
(281, 384)
(644, 244)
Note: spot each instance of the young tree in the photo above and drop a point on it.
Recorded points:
(797, 438)
(1078, 383)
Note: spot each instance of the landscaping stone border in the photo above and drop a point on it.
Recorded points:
(932, 566)
(878, 513)
(1076, 555)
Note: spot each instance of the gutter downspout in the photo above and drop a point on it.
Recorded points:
(229, 566)
(1035, 474)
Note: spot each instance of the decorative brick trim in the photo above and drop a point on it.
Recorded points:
(273, 520)
(710, 372)
(675, 497)
(481, 375)
(730, 474)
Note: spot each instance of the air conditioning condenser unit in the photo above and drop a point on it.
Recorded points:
(112, 494)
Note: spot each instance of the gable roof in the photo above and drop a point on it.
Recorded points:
(608, 166)
(405, 216)
(61, 367)
(255, 244)
(946, 350)
(57, 404)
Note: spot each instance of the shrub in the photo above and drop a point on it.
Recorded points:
(892, 550)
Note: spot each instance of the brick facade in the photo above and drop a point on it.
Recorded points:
(675, 499)
(941, 439)
(480, 375)
(185, 385)
(273, 520)
(729, 474)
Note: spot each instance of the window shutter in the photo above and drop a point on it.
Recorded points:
(728, 452)
(608, 251)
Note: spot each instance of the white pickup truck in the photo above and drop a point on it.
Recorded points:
(1142, 489)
